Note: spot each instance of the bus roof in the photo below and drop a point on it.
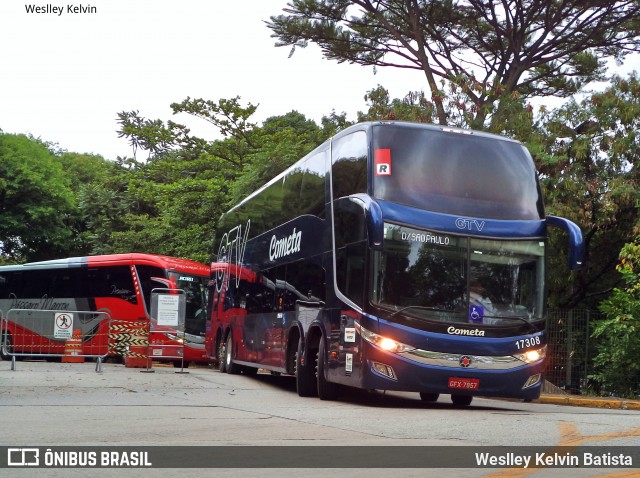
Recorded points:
(366, 126)
(165, 262)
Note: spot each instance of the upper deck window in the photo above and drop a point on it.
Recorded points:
(349, 160)
(452, 173)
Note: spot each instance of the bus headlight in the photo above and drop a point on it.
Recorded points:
(385, 343)
(176, 338)
(531, 356)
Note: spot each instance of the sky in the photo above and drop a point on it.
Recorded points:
(64, 78)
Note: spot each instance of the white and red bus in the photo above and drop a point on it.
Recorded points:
(120, 285)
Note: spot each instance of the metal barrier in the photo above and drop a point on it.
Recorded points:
(168, 309)
(141, 342)
(50, 333)
(130, 339)
(160, 350)
(571, 349)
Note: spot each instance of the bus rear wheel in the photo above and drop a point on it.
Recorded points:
(231, 367)
(249, 371)
(461, 400)
(222, 355)
(306, 384)
(326, 390)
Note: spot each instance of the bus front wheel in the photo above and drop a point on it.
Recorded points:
(429, 397)
(461, 400)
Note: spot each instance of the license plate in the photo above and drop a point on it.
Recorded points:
(464, 383)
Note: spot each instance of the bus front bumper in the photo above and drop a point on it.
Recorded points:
(421, 371)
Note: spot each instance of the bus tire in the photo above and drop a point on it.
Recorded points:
(306, 384)
(429, 397)
(231, 367)
(461, 400)
(222, 355)
(249, 371)
(326, 390)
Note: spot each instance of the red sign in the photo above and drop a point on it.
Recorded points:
(382, 160)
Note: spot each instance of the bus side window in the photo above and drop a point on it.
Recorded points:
(349, 170)
(312, 190)
(147, 284)
(305, 281)
(351, 247)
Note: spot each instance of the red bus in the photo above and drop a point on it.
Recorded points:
(238, 332)
(120, 285)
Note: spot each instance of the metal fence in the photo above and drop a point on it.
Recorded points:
(571, 349)
(52, 333)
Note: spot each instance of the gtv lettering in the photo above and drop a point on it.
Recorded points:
(232, 248)
(469, 224)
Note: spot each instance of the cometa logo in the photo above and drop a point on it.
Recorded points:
(285, 246)
(475, 332)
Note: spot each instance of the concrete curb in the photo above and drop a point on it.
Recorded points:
(593, 402)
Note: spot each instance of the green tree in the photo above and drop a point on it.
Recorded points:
(279, 143)
(187, 182)
(86, 173)
(588, 155)
(36, 200)
(173, 202)
(485, 50)
(179, 192)
(617, 370)
(413, 107)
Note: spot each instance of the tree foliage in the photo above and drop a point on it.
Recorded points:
(187, 181)
(487, 49)
(588, 156)
(36, 199)
(617, 369)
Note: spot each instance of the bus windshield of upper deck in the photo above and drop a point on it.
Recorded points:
(427, 275)
(454, 173)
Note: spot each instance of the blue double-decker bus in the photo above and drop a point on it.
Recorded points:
(395, 256)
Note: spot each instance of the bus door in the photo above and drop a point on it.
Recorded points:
(348, 344)
(267, 323)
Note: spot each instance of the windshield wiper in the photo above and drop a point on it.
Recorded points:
(421, 307)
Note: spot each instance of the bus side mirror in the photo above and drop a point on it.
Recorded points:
(166, 284)
(576, 242)
(373, 218)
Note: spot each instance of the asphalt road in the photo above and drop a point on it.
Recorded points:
(47, 404)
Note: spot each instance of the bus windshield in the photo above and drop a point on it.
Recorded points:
(441, 277)
(454, 173)
(195, 290)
